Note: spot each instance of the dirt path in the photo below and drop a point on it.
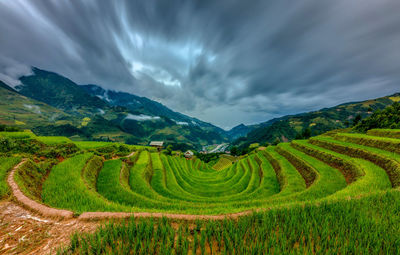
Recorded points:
(29, 203)
(127, 156)
(131, 154)
(24, 232)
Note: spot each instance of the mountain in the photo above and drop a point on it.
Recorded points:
(238, 131)
(119, 116)
(143, 105)
(291, 126)
(59, 92)
(5, 86)
(16, 109)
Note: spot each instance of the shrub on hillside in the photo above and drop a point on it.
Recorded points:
(387, 118)
(123, 148)
(58, 150)
(31, 175)
(91, 171)
(208, 157)
(6, 144)
(5, 128)
(12, 145)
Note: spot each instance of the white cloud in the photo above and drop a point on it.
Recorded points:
(182, 123)
(159, 75)
(34, 108)
(141, 117)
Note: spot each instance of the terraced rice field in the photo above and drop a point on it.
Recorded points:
(223, 163)
(357, 226)
(324, 168)
(95, 145)
(332, 194)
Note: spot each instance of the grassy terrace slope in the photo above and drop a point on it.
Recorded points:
(66, 189)
(332, 194)
(358, 226)
(324, 168)
(6, 163)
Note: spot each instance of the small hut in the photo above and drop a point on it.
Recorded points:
(157, 144)
(189, 154)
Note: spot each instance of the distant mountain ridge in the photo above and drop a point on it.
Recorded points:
(289, 127)
(144, 105)
(238, 131)
(57, 91)
(16, 109)
(120, 117)
(5, 86)
(51, 104)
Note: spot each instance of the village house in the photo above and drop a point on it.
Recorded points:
(189, 154)
(157, 144)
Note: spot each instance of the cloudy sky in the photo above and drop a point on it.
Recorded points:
(225, 62)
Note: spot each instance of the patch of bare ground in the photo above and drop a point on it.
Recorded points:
(25, 232)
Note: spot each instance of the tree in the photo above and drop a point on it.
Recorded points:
(357, 119)
(123, 148)
(276, 141)
(10, 128)
(244, 150)
(306, 133)
(168, 150)
(234, 151)
(299, 136)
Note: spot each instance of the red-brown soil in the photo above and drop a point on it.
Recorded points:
(25, 232)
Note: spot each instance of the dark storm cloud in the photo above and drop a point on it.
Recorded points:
(222, 61)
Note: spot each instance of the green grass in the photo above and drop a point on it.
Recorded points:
(222, 163)
(18, 135)
(370, 225)
(86, 145)
(65, 188)
(92, 145)
(383, 143)
(387, 160)
(323, 168)
(392, 133)
(53, 139)
(109, 185)
(6, 164)
(350, 171)
(362, 176)
(30, 177)
(289, 178)
(91, 171)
